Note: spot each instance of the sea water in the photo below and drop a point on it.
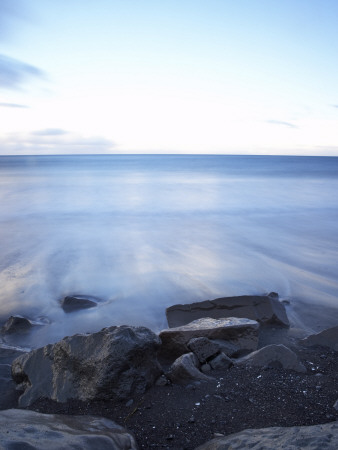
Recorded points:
(143, 232)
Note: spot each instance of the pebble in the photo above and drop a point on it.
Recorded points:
(191, 420)
(129, 402)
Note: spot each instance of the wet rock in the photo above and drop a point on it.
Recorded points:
(243, 333)
(314, 437)
(274, 355)
(16, 324)
(221, 361)
(266, 309)
(74, 303)
(203, 348)
(326, 338)
(186, 368)
(115, 363)
(27, 429)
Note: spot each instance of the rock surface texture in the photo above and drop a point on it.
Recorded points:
(114, 363)
(243, 333)
(31, 430)
(186, 368)
(266, 309)
(275, 355)
(326, 338)
(316, 437)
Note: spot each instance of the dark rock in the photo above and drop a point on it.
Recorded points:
(277, 356)
(336, 406)
(31, 430)
(74, 303)
(221, 361)
(243, 333)
(315, 437)
(185, 368)
(266, 309)
(326, 338)
(115, 363)
(16, 324)
(203, 348)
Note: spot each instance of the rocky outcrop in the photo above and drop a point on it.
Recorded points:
(16, 324)
(186, 368)
(203, 348)
(243, 333)
(316, 437)
(266, 309)
(75, 302)
(115, 363)
(31, 430)
(326, 338)
(274, 355)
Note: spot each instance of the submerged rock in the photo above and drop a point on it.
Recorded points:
(114, 363)
(73, 303)
(326, 338)
(266, 309)
(315, 437)
(16, 324)
(277, 356)
(243, 333)
(31, 430)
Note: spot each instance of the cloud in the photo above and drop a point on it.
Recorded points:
(13, 73)
(53, 141)
(280, 122)
(335, 106)
(50, 132)
(12, 105)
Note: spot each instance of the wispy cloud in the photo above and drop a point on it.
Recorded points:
(53, 141)
(335, 106)
(50, 132)
(281, 122)
(12, 105)
(13, 73)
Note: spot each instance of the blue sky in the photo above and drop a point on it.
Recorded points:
(132, 76)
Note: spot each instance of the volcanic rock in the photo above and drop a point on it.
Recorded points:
(326, 338)
(16, 324)
(274, 355)
(243, 333)
(266, 309)
(31, 430)
(114, 363)
(185, 368)
(203, 348)
(315, 437)
(74, 303)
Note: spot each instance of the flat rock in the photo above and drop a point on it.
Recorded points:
(74, 303)
(326, 338)
(203, 348)
(243, 333)
(274, 355)
(21, 429)
(186, 368)
(315, 437)
(114, 363)
(266, 309)
(16, 324)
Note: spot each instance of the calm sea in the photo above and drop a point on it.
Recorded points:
(145, 232)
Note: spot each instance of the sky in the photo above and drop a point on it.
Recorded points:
(169, 76)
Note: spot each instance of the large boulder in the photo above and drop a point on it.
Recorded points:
(326, 338)
(315, 437)
(243, 333)
(31, 430)
(114, 363)
(266, 309)
(274, 355)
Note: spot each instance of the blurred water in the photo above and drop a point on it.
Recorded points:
(146, 232)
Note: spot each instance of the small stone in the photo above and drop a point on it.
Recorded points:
(221, 361)
(162, 381)
(191, 420)
(170, 437)
(205, 368)
(336, 406)
(129, 403)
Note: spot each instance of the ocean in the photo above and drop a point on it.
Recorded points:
(143, 232)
